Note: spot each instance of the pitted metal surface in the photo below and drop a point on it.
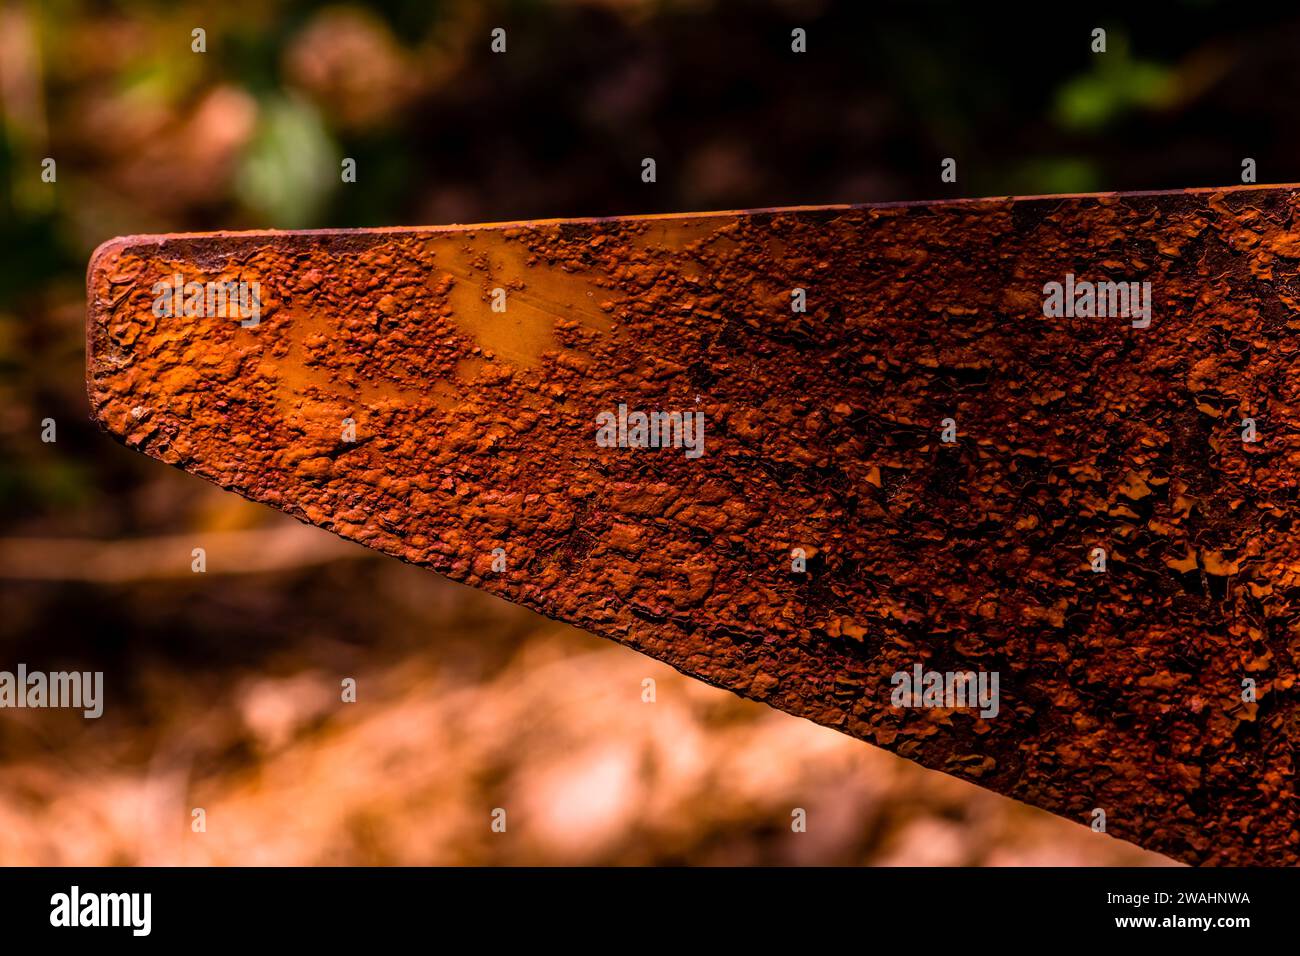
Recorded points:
(381, 395)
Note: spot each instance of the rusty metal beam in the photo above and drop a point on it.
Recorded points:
(474, 452)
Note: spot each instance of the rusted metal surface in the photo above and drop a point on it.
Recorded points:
(475, 430)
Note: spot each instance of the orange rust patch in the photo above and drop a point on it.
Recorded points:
(475, 431)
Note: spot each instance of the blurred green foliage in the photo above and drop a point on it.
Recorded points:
(1115, 85)
(291, 165)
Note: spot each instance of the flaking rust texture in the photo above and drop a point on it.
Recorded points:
(475, 431)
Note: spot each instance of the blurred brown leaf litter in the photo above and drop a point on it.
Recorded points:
(223, 688)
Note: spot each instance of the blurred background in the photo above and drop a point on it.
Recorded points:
(223, 688)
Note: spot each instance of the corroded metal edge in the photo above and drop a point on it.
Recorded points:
(1122, 690)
